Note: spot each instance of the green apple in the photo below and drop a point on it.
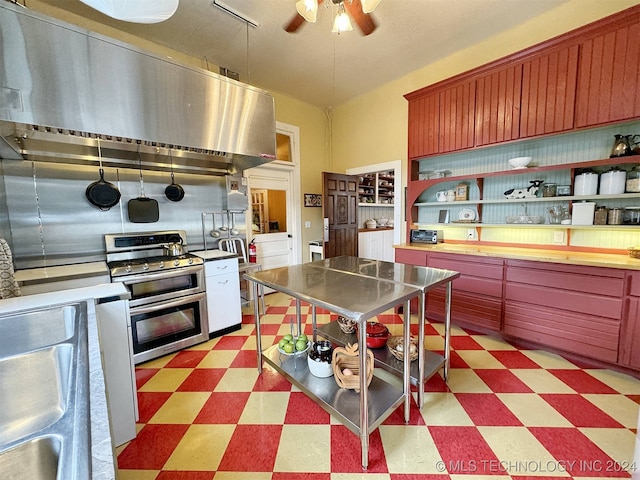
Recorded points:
(282, 343)
(288, 337)
(301, 345)
(303, 337)
(288, 348)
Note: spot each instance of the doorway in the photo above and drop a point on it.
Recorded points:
(274, 214)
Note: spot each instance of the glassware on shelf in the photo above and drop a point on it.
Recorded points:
(558, 213)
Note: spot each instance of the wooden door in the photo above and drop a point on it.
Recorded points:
(549, 92)
(340, 207)
(498, 106)
(609, 76)
(457, 107)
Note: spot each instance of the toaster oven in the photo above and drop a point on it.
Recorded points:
(426, 236)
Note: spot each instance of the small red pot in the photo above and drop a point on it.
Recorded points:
(377, 335)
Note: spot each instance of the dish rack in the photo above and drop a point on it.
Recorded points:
(348, 358)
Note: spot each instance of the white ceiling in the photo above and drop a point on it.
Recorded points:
(314, 65)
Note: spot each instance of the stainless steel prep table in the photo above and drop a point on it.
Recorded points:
(423, 278)
(356, 297)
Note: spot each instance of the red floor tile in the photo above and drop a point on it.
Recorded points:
(397, 416)
(346, 452)
(635, 398)
(418, 476)
(152, 447)
(487, 409)
(389, 318)
(502, 381)
(582, 382)
(245, 359)
(277, 310)
(252, 448)
(436, 384)
(233, 402)
(304, 411)
(430, 330)
(269, 328)
(248, 319)
(234, 342)
(583, 457)
(187, 359)
(456, 361)
(143, 375)
(270, 381)
(149, 403)
(463, 342)
(201, 380)
(580, 411)
(300, 476)
(463, 450)
(514, 359)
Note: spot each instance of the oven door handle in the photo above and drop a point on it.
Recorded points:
(162, 305)
(147, 277)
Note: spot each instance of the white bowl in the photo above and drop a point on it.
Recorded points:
(320, 369)
(520, 162)
(382, 221)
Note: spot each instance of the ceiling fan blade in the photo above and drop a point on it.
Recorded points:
(296, 21)
(364, 21)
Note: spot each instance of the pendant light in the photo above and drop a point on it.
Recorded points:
(342, 23)
(140, 11)
(308, 9)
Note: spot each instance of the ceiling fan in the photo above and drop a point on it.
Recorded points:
(358, 10)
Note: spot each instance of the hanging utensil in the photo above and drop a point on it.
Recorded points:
(173, 192)
(234, 231)
(142, 209)
(102, 194)
(214, 233)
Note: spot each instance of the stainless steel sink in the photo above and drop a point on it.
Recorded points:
(25, 332)
(44, 387)
(34, 388)
(36, 459)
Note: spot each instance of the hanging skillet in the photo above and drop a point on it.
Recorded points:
(102, 194)
(142, 209)
(173, 192)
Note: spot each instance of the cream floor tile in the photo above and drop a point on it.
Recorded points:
(532, 410)
(480, 477)
(304, 448)
(464, 380)
(541, 381)
(243, 476)
(201, 448)
(181, 407)
(619, 407)
(137, 474)
(250, 343)
(444, 409)
(409, 449)
(492, 343)
(218, 359)
(208, 345)
(245, 329)
(360, 476)
(271, 318)
(157, 362)
(618, 381)
(266, 408)
(618, 443)
(480, 359)
(455, 330)
(548, 360)
(237, 380)
(434, 343)
(166, 380)
(519, 453)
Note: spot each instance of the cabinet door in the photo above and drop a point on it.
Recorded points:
(411, 257)
(497, 112)
(549, 92)
(457, 107)
(629, 348)
(609, 76)
(423, 125)
(223, 301)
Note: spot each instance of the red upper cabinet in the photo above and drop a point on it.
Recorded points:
(424, 125)
(457, 105)
(609, 76)
(497, 112)
(549, 92)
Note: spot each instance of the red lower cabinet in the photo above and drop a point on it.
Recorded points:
(477, 293)
(630, 334)
(572, 308)
(411, 257)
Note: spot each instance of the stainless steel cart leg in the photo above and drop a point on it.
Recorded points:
(421, 321)
(256, 315)
(364, 394)
(447, 333)
(407, 362)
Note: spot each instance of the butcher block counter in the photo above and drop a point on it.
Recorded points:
(577, 303)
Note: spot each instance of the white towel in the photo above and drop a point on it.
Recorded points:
(8, 286)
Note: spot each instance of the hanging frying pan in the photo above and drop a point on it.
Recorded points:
(102, 194)
(142, 209)
(173, 192)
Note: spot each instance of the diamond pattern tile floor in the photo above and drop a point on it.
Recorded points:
(505, 412)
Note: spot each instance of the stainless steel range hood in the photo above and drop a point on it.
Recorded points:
(62, 88)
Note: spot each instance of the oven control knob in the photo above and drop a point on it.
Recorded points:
(161, 264)
(127, 269)
(190, 261)
(145, 266)
(176, 263)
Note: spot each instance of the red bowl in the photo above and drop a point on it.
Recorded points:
(377, 335)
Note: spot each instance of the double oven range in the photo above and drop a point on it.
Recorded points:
(168, 307)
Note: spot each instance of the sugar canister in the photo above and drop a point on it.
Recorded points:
(615, 216)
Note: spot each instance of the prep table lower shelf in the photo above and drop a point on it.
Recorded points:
(383, 358)
(384, 396)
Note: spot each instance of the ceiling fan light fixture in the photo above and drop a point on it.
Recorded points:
(342, 22)
(308, 9)
(369, 6)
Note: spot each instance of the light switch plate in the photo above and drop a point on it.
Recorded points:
(558, 236)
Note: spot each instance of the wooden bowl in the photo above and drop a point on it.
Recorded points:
(396, 348)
